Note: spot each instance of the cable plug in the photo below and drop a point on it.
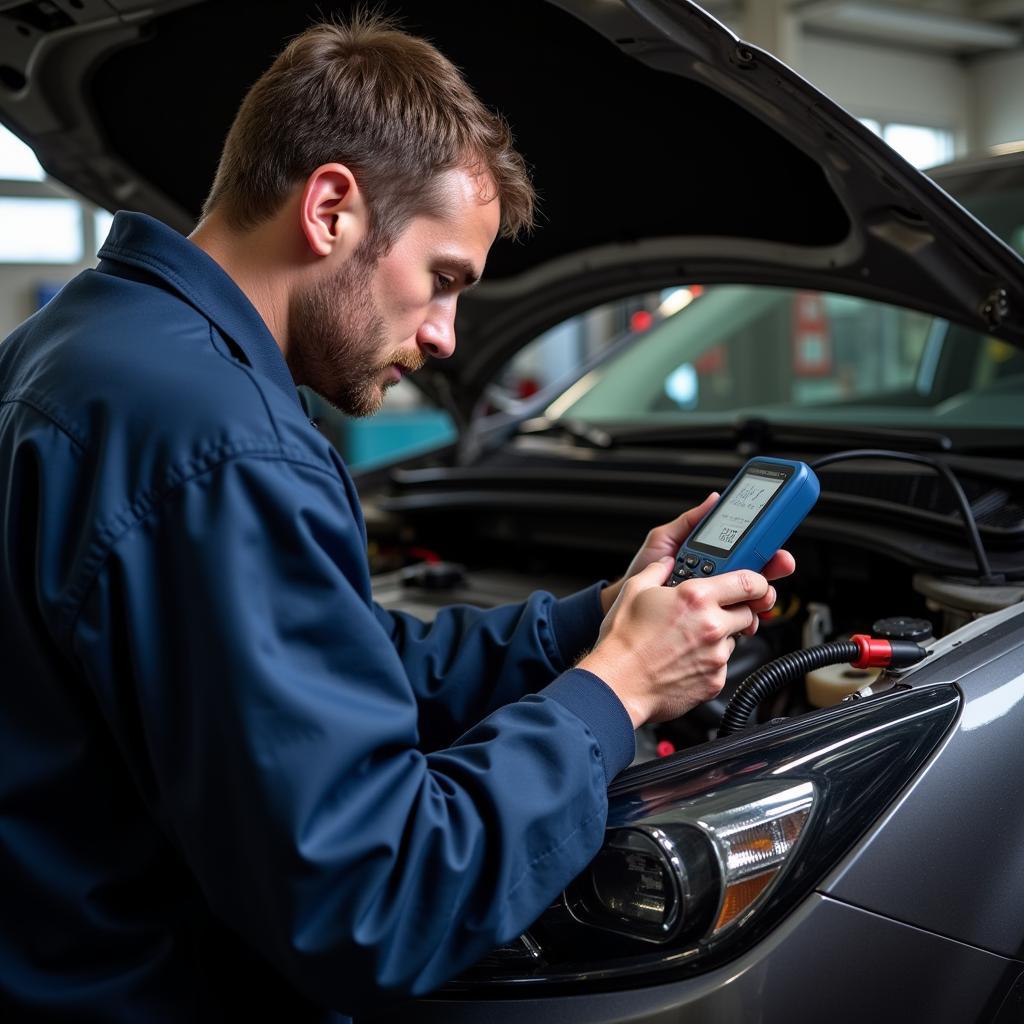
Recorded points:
(876, 653)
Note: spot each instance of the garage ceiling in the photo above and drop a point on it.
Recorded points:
(948, 26)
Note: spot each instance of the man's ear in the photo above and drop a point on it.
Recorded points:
(332, 213)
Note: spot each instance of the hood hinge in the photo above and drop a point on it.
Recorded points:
(995, 308)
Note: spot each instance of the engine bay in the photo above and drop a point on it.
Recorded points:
(487, 553)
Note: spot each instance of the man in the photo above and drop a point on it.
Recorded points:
(233, 785)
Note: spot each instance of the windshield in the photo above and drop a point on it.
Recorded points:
(792, 355)
(995, 196)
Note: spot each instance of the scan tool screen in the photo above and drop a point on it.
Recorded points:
(740, 507)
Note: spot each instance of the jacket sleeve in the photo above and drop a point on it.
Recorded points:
(272, 729)
(468, 662)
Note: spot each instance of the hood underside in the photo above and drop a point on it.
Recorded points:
(664, 150)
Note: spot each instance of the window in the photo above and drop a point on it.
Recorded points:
(795, 355)
(917, 144)
(558, 354)
(17, 161)
(41, 223)
(40, 230)
(102, 219)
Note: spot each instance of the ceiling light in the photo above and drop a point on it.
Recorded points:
(911, 25)
(1003, 148)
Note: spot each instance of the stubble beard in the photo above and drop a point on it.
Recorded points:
(337, 340)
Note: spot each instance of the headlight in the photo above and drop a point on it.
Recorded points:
(694, 870)
(707, 851)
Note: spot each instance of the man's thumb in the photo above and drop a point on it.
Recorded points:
(657, 572)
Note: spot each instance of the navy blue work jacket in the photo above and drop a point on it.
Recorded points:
(232, 785)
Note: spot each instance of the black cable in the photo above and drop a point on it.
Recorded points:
(770, 678)
(987, 576)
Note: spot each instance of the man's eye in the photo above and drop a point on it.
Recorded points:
(443, 283)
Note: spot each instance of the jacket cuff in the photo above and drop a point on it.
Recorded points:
(575, 621)
(590, 699)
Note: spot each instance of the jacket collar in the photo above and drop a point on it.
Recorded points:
(146, 244)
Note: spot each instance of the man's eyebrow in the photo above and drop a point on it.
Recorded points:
(462, 267)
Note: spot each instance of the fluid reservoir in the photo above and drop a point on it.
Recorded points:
(829, 685)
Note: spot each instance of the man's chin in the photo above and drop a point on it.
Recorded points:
(368, 401)
(369, 405)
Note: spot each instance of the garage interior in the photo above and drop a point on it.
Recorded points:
(939, 80)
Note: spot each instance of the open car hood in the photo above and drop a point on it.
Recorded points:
(664, 149)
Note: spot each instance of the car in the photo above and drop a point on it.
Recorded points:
(851, 848)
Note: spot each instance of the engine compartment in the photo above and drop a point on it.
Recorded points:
(840, 588)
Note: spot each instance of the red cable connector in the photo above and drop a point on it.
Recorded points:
(876, 653)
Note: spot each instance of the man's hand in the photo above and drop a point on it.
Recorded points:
(664, 650)
(664, 541)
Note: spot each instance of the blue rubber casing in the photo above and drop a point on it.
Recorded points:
(765, 502)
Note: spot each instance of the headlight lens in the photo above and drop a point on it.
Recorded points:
(694, 870)
(707, 851)
(752, 843)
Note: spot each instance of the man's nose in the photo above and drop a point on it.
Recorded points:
(436, 336)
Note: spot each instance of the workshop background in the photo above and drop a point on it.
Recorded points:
(939, 80)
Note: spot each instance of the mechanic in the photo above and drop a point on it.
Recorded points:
(232, 784)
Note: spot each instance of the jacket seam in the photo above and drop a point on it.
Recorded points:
(549, 638)
(251, 376)
(113, 532)
(26, 397)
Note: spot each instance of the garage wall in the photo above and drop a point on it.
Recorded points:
(998, 98)
(891, 84)
(21, 284)
(19, 289)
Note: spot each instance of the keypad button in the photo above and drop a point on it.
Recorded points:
(708, 568)
(691, 561)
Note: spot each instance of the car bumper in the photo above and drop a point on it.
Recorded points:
(828, 961)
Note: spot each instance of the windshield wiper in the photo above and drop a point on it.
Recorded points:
(754, 434)
(591, 436)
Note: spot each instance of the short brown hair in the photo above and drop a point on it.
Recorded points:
(386, 104)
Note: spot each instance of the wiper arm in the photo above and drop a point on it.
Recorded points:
(926, 439)
(591, 436)
(750, 435)
(754, 434)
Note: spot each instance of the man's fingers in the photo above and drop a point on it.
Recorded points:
(688, 520)
(763, 604)
(739, 619)
(654, 575)
(734, 587)
(780, 564)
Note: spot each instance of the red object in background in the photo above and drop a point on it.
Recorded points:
(712, 361)
(812, 338)
(665, 747)
(423, 555)
(640, 321)
(527, 386)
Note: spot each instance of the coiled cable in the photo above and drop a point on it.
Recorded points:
(769, 679)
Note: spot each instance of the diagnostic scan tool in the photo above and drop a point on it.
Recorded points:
(753, 518)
